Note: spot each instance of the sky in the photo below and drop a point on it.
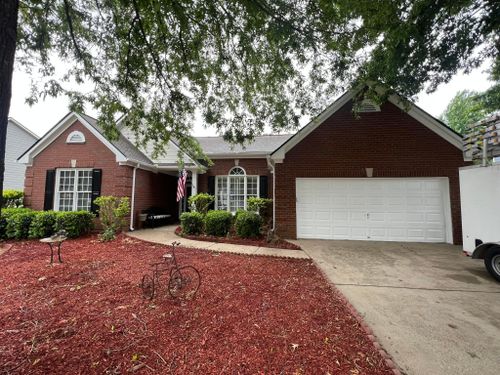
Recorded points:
(46, 113)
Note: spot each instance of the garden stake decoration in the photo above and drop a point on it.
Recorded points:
(180, 282)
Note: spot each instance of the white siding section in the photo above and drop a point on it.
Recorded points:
(18, 141)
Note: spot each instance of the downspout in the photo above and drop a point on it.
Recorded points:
(273, 170)
(132, 203)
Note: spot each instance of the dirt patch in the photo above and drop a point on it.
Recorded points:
(251, 315)
(233, 239)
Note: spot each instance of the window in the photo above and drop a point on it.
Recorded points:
(73, 190)
(232, 191)
(75, 137)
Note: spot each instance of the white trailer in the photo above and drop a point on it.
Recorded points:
(480, 203)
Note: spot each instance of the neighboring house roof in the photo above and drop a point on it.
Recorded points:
(261, 146)
(411, 109)
(22, 127)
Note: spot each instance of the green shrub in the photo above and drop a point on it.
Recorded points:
(201, 202)
(112, 213)
(18, 224)
(218, 223)
(42, 224)
(75, 223)
(192, 222)
(12, 198)
(263, 206)
(248, 224)
(5, 217)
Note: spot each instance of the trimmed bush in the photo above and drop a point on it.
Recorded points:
(75, 223)
(42, 224)
(248, 224)
(18, 224)
(201, 202)
(218, 223)
(192, 222)
(12, 198)
(112, 213)
(5, 216)
(263, 206)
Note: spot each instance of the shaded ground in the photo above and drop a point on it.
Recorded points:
(252, 315)
(433, 309)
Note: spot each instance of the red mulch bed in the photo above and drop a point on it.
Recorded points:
(252, 315)
(260, 242)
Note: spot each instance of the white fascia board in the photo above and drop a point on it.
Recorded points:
(58, 129)
(140, 165)
(240, 155)
(279, 153)
(430, 122)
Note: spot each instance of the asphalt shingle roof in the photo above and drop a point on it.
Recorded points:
(264, 144)
(122, 144)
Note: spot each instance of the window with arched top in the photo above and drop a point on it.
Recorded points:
(233, 190)
(75, 137)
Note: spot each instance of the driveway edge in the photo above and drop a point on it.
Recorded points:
(371, 335)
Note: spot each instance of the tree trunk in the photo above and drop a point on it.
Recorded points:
(8, 38)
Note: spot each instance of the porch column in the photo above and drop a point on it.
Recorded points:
(194, 182)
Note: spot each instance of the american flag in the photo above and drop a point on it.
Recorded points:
(181, 185)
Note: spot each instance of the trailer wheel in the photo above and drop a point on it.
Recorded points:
(492, 262)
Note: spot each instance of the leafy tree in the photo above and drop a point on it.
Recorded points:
(464, 109)
(243, 64)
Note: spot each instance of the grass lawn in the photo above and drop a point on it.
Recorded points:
(252, 315)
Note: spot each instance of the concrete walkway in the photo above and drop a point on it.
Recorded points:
(166, 235)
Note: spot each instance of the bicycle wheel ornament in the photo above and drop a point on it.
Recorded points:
(184, 282)
(148, 287)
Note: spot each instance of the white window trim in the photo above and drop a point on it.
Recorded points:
(75, 187)
(228, 185)
(76, 133)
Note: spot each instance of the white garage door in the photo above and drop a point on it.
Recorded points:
(381, 209)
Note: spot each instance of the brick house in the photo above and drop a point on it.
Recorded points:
(390, 173)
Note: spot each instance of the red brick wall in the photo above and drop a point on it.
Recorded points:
(92, 154)
(391, 142)
(222, 166)
(151, 189)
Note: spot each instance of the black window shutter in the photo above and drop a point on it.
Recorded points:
(50, 183)
(96, 188)
(263, 186)
(211, 189)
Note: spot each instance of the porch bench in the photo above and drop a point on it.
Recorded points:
(156, 216)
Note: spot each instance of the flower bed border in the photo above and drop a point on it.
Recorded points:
(259, 242)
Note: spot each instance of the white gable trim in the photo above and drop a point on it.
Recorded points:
(420, 115)
(58, 129)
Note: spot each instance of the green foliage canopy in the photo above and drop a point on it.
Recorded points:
(243, 64)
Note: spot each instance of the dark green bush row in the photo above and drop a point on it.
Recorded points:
(20, 223)
(218, 223)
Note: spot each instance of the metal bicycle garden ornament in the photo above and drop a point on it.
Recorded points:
(167, 275)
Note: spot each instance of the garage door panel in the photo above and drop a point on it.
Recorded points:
(378, 209)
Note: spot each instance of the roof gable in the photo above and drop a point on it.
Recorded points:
(411, 109)
(23, 128)
(58, 129)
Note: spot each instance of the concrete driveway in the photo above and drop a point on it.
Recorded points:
(433, 309)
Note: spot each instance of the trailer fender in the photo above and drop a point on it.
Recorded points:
(480, 251)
